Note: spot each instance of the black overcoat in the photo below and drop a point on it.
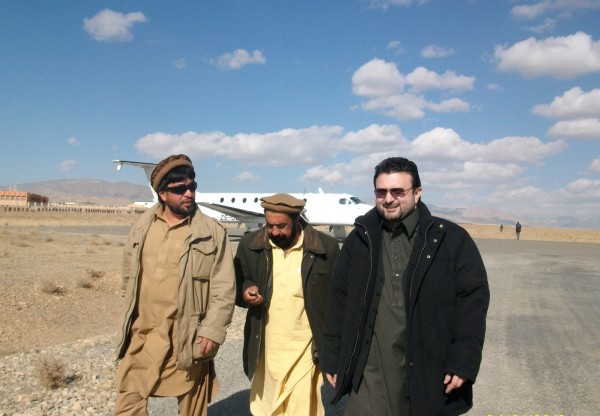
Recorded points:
(446, 299)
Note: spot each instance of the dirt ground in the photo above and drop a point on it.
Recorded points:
(60, 273)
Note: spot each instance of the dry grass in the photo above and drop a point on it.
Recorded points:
(85, 283)
(51, 288)
(95, 274)
(51, 373)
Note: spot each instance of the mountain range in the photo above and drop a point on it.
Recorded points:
(82, 191)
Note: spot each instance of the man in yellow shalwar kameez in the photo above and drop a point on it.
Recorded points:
(282, 272)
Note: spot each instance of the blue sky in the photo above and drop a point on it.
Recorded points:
(498, 102)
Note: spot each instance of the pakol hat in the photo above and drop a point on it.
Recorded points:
(283, 203)
(165, 166)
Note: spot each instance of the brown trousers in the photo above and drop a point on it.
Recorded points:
(193, 403)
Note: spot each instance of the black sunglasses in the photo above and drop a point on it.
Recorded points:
(397, 193)
(182, 189)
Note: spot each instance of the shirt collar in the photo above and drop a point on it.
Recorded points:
(408, 224)
(160, 215)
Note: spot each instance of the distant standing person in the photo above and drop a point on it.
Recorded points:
(282, 273)
(180, 295)
(406, 313)
(501, 227)
(518, 229)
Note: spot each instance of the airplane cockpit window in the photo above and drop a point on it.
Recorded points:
(350, 201)
(356, 200)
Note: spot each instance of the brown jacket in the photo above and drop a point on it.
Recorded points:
(206, 288)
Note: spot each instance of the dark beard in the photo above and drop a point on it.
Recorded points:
(284, 242)
(176, 209)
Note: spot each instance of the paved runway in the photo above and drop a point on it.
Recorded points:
(543, 337)
(541, 355)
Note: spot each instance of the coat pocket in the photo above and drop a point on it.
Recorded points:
(203, 256)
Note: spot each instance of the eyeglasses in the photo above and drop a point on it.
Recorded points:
(182, 189)
(395, 192)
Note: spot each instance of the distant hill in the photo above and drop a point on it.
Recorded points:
(124, 193)
(87, 191)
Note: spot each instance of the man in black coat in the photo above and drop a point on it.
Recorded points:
(405, 319)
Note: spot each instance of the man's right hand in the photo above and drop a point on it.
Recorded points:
(331, 379)
(252, 297)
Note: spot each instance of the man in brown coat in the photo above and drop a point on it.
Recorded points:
(180, 296)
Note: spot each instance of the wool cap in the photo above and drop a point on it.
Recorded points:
(165, 166)
(283, 203)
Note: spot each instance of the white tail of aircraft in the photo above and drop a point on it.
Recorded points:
(335, 210)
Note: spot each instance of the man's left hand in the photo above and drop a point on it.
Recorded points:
(204, 347)
(452, 381)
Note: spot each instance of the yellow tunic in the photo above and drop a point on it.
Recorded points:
(286, 381)
(150, 365)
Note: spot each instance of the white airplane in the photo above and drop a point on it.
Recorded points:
(335, 210)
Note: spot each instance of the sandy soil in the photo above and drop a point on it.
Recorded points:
(60, 273)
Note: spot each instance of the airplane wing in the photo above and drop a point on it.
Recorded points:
(239, 214)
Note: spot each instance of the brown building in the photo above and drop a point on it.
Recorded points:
(21, 199)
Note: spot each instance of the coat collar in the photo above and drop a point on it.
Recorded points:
(312, 242)
(197, 221)
(372, 220)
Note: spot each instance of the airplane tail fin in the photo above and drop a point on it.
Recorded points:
(148, 168)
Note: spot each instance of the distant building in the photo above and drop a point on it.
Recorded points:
(21, 200)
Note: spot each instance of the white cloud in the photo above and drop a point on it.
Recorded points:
(453, 105)
(180, 63)
(239, 59)
(531, 11)
(383, 84)
(550, 203)
(302, 146)
(440, 148)
(578, 111)
(386, 4)
(493, 87)
(435, 51)
(556, 57)
(594, 166)
(247, 177)
(373, 137)
(452, 168)
(377, 78)
(446, 144)
(399, 106)
(588, 189)
(574, 103)
(67, 165)
(546, 26)
(73, 141)
(395, 46)
(108, 25)
(421, 79)
(579, 129)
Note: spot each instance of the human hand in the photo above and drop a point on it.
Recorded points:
(252, 297)
(331, 378)
(204, 348)
(452, 381)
